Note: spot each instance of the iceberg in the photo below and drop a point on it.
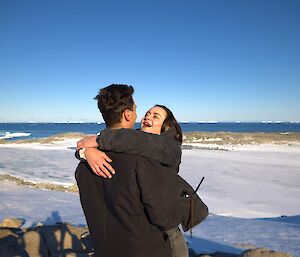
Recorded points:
(8, 135)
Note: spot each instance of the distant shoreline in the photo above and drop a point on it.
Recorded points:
(203, 137)
(17, 131)
(242, 138)
(201, 122)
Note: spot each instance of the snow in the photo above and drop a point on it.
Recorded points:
(246, 184)
(7, 135)
(63, 144)
(36, 205)
(247, 191)
(231, 231)
(39, 165)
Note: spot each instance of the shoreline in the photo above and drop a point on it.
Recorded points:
(221, 140)
(241, 138)
(270, 147)
(67, 187)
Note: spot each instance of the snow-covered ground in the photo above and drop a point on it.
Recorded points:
(246, 190)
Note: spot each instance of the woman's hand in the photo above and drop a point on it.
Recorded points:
(99, 162)
(87, 142)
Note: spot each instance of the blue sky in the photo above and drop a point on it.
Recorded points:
(206, 60)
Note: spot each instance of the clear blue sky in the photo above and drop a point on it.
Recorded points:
(205, 59)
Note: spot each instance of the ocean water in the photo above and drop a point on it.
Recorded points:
(15, 131)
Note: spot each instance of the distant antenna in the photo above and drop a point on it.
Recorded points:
(199, 185)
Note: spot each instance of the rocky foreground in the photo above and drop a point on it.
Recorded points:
(64, 240)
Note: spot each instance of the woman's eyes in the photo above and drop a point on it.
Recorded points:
(155, 116)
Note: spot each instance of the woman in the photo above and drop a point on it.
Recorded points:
(157, 120)
(161, 141)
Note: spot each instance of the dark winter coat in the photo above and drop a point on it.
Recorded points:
(176, 198)
(128, 214)
(119, 211)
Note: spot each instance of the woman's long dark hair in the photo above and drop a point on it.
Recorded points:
(169, 122)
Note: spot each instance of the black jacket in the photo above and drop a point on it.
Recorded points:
(172, 196)
(120, 212)
(148, 184)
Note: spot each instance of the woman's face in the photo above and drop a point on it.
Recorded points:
(153, 120)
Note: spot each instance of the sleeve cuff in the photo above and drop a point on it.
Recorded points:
(82, 153)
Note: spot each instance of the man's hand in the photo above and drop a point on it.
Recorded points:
(99, 162)
(87, 142)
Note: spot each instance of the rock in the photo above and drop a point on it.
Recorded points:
(9, 246)
(77, 231)
(46, 241)
(12, 251)
(6, 233)
(218, 254)
(12, 223)
(8, 240)
(34, 245)
(82, 233)
(40, 224)
(245, 246)
(73, 188)
(62, 238)
(263, 252)
(78, 255)
(87, 241)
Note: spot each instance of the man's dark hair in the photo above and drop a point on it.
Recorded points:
(169, 122)
(113, 100)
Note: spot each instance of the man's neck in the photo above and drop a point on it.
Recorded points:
(119, 126)
(115, 127)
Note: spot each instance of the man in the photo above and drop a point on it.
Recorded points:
(121, 215)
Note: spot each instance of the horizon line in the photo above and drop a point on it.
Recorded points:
(183, 121)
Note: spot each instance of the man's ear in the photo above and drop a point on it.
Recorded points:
(127, 114)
